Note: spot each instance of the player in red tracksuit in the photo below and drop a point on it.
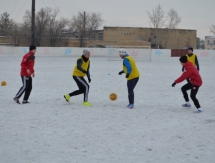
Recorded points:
(27, 71)
(192, 73)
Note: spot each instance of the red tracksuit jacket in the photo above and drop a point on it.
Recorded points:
(27, 63)
(192, 73)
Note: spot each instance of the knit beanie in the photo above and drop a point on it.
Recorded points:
(32, 47)
(190, 49)
(85, 51)
(122, 52)
(183, 59)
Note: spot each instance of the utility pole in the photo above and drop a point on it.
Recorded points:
(84, 24)
(33, 23)
(83, 31)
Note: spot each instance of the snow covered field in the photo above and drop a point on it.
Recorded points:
(158, 130)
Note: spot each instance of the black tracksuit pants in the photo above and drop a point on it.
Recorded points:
(27, 87)
(194, 90)
(131, 85)
(83, 87)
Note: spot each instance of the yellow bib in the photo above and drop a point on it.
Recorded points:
(134, 72)
(192, 59)
(84, 66)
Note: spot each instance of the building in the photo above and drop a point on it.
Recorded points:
(118, 37)
(162, 38)
(134, 37)
(210, 42)
(200, 44)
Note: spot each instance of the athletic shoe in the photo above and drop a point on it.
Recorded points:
(67, 97)
(86, 104)
(186, 105)
(198, 111)
(16, 100)
(25, 102)
(130, 106)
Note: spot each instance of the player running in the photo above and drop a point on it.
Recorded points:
(80, 70)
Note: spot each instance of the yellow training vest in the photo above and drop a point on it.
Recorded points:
(192, 59)
(84, 66)
(134, 72)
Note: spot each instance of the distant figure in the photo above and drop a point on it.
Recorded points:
(193, 59)
(80, 70)
(131, 73)
(195, 82)
(27, 72)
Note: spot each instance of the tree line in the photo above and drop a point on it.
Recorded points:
(49, 27)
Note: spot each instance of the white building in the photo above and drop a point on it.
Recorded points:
(210, 42)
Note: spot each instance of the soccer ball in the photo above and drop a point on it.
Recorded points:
(113, 96)
(3, 83)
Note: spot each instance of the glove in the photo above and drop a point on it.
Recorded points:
(127, 75)
(89, 80)
(173, 84)
(84, 71)
(121, 72)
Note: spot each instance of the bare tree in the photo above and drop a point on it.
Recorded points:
(157, 20)
(42, 19)
(6, 24)
(15, 33)
(55, 27)
(173, 19)
(46, 25)
(212, 29)
(95, 21)
(19, 32)
(78, 25)
(27, 23)
(85, 23)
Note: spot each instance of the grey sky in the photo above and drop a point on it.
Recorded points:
(195, 14)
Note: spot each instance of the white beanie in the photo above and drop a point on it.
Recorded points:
(122, 51)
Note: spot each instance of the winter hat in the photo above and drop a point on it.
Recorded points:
(183, 59)
(32, 47)
(85, 51)
(122, 52)
(190, 49)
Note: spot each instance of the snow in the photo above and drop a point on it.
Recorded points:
(157, 130)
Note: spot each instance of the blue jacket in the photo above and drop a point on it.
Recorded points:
(127, 64)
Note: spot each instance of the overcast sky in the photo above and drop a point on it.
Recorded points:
(195, 14)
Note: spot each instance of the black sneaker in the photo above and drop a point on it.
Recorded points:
(25, 102)
(16, 100)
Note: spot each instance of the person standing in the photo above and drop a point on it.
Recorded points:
(27, 72)
(80, 71)
(195, 82)
(131, 73)
(192, 58)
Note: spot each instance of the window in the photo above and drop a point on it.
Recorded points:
(93, 36)
(208, 42)
(214, 42)
(100, 36)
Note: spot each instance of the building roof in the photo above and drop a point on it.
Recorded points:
(151, 28)
(209, 36)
